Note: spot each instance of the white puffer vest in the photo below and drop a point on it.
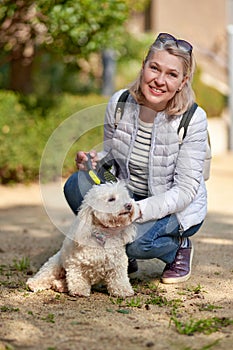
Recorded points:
(175, 182)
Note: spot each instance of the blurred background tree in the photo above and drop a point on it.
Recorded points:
(67, 31)
(50, 56)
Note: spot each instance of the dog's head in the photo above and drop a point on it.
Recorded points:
(110, 206)
(107, 210)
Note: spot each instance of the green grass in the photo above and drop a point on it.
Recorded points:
(196, 290)
(135, 302)
(22, 264)
(209, 307)
(206, 326)
(49, 318)
(8, 309)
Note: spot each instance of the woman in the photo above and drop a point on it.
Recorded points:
(164, 176)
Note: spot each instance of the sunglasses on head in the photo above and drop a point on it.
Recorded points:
(164, 37)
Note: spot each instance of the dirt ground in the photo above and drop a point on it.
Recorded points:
(150, 320)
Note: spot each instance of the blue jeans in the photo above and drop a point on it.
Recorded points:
(155, 239)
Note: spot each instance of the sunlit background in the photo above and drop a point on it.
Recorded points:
(60, 57)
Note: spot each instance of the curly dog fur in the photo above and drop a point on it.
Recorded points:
(94, 249)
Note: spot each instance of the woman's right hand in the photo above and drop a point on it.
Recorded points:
(81, 159)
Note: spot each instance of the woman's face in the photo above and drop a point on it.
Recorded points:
(162, 77)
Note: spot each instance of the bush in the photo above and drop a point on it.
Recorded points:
(209, 98)
(15, 126)
(24, 132)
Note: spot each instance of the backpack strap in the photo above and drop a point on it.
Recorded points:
(120, 107)
(184, 123)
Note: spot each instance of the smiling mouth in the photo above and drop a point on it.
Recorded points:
(156, 90)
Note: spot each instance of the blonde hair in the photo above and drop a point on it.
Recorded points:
(183, 99)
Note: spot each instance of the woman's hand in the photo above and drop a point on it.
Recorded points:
(81, 159)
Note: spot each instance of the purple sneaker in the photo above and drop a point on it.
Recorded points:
(180, 269)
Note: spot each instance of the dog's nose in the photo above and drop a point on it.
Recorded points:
(128, 206)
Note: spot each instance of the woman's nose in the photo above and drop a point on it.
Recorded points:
(160, 78)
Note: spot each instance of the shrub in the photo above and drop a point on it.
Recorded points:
(212, 100)
(24, 132)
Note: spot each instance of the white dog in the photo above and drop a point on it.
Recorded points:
(94, 250)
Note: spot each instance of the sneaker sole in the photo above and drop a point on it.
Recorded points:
(183, 278)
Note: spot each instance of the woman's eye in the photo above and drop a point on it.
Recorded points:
(111, 199)
(173, 75)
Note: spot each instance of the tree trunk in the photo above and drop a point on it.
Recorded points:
(109, 68)
(21, 76)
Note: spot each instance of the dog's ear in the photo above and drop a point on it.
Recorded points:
(84, 223)
(85, 212)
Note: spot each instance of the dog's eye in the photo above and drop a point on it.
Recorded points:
(111, 199)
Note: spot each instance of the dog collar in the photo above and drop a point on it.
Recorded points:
(100, 237)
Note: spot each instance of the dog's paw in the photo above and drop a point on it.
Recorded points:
(60, 286)
(122, 293)
(80, 293)
(35, 286)
(80, 287)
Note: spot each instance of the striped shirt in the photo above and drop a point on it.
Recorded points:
(138, 163)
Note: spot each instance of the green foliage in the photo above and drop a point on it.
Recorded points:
(53, 76)
(8, 309)
(85, 26)
(135, 302)
(68, 27)
(26, 127)
(22, 265)
(134, 47)
(116, 301)
(209, 307)
(14, 141)
(196, 290)
(206, 326)
(49, 318)
(209, 98)
(130, 56)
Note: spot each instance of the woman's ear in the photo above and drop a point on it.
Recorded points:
(185, 79)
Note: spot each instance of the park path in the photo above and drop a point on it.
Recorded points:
(94, 323)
